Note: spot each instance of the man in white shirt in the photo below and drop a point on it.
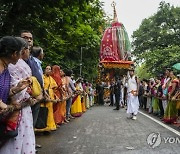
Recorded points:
(132, 95)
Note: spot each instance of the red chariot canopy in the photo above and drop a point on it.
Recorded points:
(115, 46)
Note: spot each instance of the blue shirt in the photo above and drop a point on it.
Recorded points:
(35, 70)
(39, 65)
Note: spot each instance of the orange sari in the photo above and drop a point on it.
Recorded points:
(65, 92)
(59, 115)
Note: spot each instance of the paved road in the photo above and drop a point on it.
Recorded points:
(102, 130)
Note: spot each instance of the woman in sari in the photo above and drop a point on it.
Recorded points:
(24, 142)
(83, 98)
(151, 93)
(171, 110)
(49, 86)
(86, 95)
(65, 93)
(76, 108)
(147, 95)
(155, 103)
(91, 100)
(177, 97)
(59, 116)
(83, 103)
(6, 52)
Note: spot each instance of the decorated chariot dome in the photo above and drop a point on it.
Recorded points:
(115, 45)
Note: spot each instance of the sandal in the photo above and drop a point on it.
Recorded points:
(66, 121)
(58, 126)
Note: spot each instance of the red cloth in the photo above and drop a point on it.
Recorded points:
(170, 87)
(109, 47)
(74, 98)
(56, 75)
(110, 50)
(12, 121)
(58, 107)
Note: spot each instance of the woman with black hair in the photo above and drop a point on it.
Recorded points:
(171, 112)
(49, 86)
(10, 52)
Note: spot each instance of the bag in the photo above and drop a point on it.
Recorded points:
(42, 118)
(35, 87)
(4, 134)
(9, 127)
(43, 114)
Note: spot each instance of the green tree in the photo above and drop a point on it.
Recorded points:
(60, 27)
(157, 40)
(142, 72)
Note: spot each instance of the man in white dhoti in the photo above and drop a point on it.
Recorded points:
(132, 95)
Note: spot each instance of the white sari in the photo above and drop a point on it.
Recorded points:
(25, 141)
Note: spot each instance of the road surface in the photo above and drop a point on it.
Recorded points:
(102, 130)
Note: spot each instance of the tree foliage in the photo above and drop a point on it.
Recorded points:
(60, 27)
(142, 72)
(156, 42)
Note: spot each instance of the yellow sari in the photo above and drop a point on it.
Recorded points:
(49, 84)
(35, 87)
(76, 108)
(83, 104)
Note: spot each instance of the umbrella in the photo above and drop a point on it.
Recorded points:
(176, 66)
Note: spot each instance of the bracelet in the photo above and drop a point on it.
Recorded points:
(13, 92)
(11, 108)
(32, 101)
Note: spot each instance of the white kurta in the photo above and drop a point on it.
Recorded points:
(24, 143)
(132, 101)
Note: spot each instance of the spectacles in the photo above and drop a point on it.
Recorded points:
(27, 38)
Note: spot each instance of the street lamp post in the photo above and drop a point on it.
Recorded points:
(80, 73)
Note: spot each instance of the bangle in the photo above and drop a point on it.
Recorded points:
(11, 108)
(13, 92)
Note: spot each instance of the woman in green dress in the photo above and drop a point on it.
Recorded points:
(171, 113)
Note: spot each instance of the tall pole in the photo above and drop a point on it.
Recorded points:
(81, 63)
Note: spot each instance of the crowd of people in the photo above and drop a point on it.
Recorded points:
(159, 96)
(123, 90)
(33, 100)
